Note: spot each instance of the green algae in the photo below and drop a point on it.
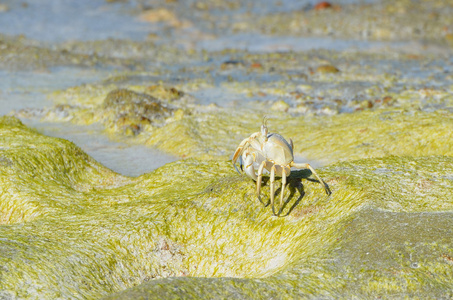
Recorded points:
(207, 133)
(403, 183)
(21, 53)
(132, 111)
(373, 253)
(25, 202)
(383, 21)
(374, 134)
(116, 232)
(398, 255)
(74, 229)
(377, 254)
(341, 137)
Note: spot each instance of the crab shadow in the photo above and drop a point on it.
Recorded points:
(294, 183)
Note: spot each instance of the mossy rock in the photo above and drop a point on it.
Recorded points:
(74, 229)
(328, 139)
(391, 244)
(131, 111)
(327, 69)
(167, 93)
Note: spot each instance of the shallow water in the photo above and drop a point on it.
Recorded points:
(126, 159)
(66, 20)
(28, 89)
(263, 43)
(63, 20)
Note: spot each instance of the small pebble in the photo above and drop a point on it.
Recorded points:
(326, 69)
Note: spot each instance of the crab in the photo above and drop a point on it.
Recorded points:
(272, 152)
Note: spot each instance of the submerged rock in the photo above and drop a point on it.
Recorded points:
(74, 229)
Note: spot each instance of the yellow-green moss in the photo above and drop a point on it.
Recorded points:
(329, 139)
(65, 213)
(74, 229)
(399, 128)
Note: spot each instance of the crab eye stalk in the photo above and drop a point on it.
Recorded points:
(264, 131)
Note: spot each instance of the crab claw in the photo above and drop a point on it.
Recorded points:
(248, 161)
(238, 153)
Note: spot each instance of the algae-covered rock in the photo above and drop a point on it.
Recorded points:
(20, 53)
(411, 122)
(403, 183)
(74, 229)
(28, 160)
(396, 254)
(327, 69)
(122, 111)
(132, 111)
(167, 93)
(99, 232)
(400, 249)
(328, 139)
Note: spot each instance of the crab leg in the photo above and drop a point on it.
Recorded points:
(258, 181)
(283, 190)
(307, 166)
(272, 180)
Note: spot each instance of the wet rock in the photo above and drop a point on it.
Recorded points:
(20, 53)
(4, 8)
(132, 111)
(231, 64)
(359, 20)
(256, 65)
(386, 101)
(302, 108)
(164, 15)
(327, 69)
(162, 92)
(280, 105)
(449, 38)
(322, 5)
